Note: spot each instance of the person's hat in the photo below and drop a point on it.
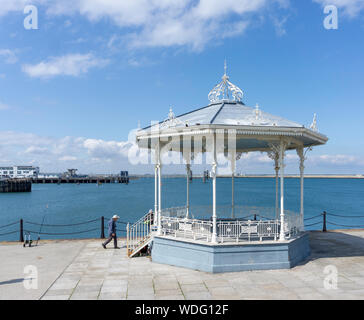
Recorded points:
(115, 216)
(150, 211)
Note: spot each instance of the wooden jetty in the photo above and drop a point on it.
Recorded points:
(15, 185)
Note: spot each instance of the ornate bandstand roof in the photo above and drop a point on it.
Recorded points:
(255, 128)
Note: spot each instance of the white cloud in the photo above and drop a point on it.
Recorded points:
(151, 23)
(8, 56)
(19, 139)
(279, 25)
(100, 149)
(4, 106)
(7, 6)
(338, 159)
(68, 65)
(187, 23)
(103, 156)
(350, 7)
(68, 158)
(54, 154)
(36, 150)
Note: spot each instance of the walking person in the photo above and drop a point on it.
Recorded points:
(112, 232)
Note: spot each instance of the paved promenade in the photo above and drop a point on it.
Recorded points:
(82, 269)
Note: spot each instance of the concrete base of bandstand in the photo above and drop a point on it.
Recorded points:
(230, 257)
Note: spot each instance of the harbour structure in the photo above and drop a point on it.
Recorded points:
(124, 177)
(15, 185)
(19, 172)
(226, 238)
(99, 179)
(71, 173)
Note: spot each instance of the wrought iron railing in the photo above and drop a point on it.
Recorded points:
(226, 211)
(139, 233)
(247, 224)
(186, 228)
(248, 230)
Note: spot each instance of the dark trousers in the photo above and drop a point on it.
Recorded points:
(110, 238)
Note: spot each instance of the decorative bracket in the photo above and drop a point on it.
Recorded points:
(302, 152)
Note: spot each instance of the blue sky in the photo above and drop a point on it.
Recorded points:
(72, 90)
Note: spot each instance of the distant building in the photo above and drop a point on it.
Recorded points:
(48, 175)
(71, 173)
(124, 173)
(19, 172)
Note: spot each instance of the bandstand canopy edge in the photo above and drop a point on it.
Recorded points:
(254, 129)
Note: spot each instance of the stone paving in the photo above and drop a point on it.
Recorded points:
(109, 274)
(49, 257)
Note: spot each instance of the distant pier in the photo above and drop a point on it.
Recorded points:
(83, 180)
(25, 185)
(15, 185)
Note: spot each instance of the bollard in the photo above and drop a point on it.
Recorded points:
(21, 234)
(102, 236)
(324, 222)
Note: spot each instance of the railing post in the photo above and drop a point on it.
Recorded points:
(324, 222)
(102, 236)
(21, 235)
(127, 239)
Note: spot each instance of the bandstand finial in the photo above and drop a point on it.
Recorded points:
(225, 90)
(314, 123)
(171, 115)
(171, 121)
(257, 112)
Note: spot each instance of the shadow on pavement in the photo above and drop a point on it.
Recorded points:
(12, 281)
(335, 244)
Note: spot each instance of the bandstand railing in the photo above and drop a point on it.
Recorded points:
(187, 228)
(242, 224)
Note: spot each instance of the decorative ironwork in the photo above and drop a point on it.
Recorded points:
(171, 121)
(238, 155)
(258, 113)
(225, 91)
(302, 152)
(174, 223)
(313, 125)
(275, 149)
(273, 154)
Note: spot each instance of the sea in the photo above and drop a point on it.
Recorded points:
(69, 211)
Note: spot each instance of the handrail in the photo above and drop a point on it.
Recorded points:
(139, 234)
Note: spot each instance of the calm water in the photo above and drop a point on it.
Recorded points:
(69, 203)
